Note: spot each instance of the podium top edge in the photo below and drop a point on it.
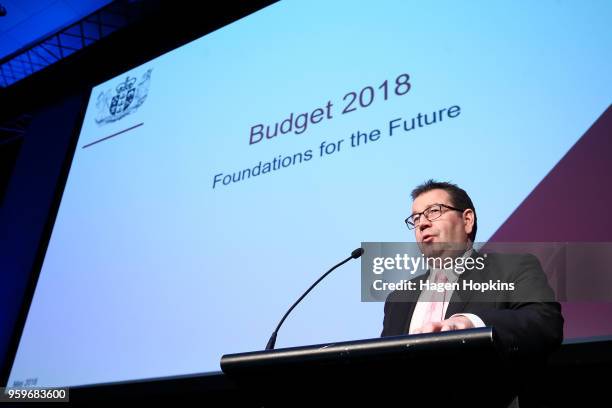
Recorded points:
(347, 350)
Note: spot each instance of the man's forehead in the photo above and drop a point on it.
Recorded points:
(431, 197)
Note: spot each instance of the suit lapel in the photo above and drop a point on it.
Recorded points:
(461, 298)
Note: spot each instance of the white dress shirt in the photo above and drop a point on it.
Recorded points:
(427, 296)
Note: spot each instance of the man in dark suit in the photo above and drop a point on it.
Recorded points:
(526, 319)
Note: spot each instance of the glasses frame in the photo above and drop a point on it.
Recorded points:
(412, 225)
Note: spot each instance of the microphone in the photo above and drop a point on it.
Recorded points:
(354, 255)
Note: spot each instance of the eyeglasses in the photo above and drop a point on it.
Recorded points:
(431, 213)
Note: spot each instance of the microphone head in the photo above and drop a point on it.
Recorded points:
(357, 253)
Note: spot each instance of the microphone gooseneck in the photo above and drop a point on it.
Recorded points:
(354, 255)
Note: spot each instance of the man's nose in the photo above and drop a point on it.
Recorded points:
(424, 223)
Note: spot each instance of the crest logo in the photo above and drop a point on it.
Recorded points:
(128, 97)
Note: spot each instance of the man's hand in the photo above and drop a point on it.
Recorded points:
(454, 323)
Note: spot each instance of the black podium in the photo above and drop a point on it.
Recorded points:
(456, 368)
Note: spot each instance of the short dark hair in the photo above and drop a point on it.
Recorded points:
(459, 198)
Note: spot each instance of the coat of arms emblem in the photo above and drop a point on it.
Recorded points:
(128, 97)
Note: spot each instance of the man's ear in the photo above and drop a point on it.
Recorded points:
(468, 220)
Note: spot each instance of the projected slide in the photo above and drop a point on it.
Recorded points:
(212, 185)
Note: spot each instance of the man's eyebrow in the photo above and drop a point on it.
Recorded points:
(419, 212)
(426, 208)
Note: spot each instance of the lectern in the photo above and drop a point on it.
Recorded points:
(455, 368)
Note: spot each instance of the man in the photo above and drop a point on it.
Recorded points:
(526, 319)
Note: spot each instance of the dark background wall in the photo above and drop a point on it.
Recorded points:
(29, 197)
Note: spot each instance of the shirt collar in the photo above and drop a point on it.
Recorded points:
(451, 275)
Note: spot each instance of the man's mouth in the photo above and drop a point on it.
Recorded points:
(427, 238)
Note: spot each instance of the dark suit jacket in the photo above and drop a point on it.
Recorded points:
(526, 320)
